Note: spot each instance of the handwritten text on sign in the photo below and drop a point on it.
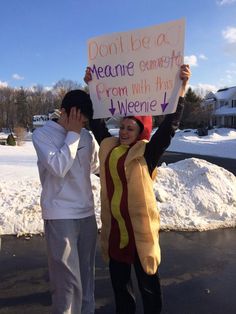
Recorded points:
(136, 73)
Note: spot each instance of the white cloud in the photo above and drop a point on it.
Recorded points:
(3, 84)
(17, 77)
(191, 60)
(230, 50)
(231, 72)
(203, 89)
(35, 87)
(229, 34)
(225, 2)
(48, 88)
(202, 56)
(230, 76)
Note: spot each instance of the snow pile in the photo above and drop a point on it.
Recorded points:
(20, 211)
(194, 194)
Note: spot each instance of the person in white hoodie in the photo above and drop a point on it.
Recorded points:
(67, 155)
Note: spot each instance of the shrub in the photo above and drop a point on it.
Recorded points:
(11, 140)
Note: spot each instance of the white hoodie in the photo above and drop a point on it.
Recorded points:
(65, 163)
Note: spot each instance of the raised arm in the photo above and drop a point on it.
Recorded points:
(59, 160)
(166, 131)
(97, 126)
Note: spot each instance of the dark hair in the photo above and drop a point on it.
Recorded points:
(79, 99)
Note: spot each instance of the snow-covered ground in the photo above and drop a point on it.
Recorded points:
(220, 142)
(192, 194)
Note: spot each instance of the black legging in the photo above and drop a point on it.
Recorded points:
(149, 286)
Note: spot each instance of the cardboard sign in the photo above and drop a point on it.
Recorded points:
(136, 72)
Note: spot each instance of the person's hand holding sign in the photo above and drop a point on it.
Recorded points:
(88, 76)
(184, 75)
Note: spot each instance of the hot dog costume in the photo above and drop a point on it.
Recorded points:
(129, 213)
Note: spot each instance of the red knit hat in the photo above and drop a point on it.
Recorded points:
(145, 123)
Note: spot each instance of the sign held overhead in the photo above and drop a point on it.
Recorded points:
(136, 72)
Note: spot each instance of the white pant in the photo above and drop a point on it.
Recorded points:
(71, 246)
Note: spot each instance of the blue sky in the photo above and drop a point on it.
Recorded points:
(43, 41)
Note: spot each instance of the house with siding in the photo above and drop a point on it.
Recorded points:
(223, 106)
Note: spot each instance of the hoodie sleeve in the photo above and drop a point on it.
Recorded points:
(57, 160)
(95, 156)
(161, 139)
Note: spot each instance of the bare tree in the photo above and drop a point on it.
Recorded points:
(63, 86)
(18, 106)
(7, 110)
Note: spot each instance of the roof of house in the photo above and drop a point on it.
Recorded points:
(222, 94)
(226, 93)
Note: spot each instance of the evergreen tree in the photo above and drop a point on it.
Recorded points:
(193, 110)
(11, 140)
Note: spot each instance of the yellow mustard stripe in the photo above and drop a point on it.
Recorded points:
(116, 198)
